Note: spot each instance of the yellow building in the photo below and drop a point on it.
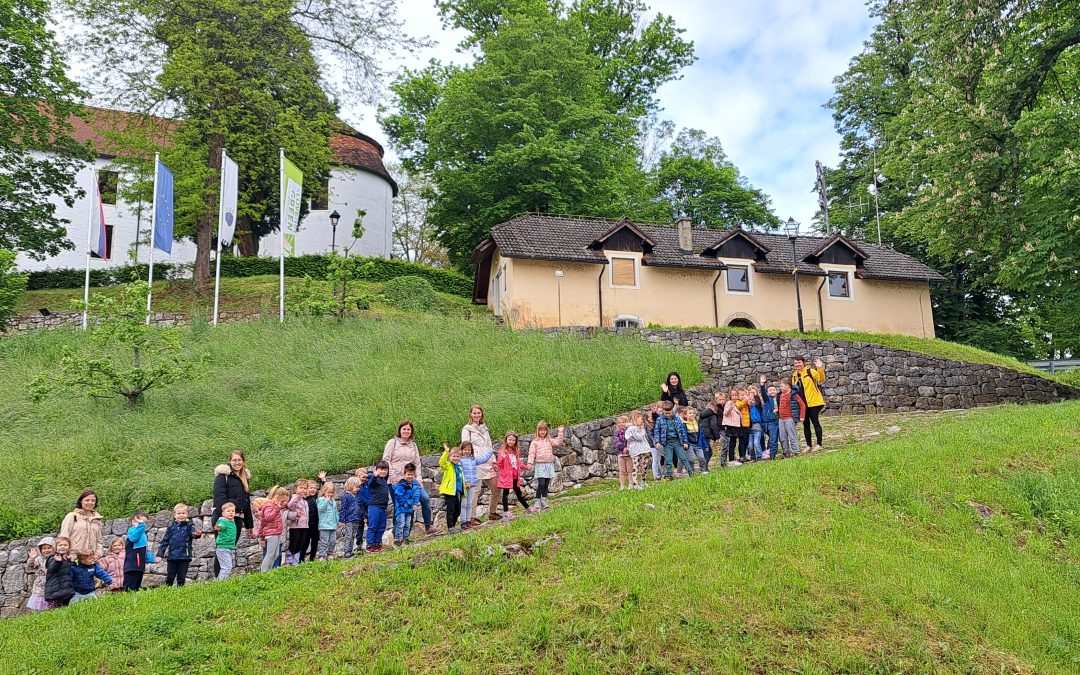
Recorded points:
(540, 270)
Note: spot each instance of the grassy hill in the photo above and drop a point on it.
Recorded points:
(950, 550)
(296, 398)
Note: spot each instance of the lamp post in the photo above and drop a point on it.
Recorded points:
(558, 285)
(334, 218)
(791, 228)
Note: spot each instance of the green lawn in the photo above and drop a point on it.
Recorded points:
(239, 294)
(297, 398)
(939, 348)
(951, 550)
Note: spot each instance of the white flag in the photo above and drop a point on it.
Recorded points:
(98, 245)
(229, 189)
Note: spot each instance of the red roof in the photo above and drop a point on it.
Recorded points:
(348, 146)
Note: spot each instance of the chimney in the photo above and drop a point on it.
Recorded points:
(685, 228)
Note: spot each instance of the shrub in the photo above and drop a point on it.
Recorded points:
(11, 287)
(410, 293)
(110, 276)
(1069, 377)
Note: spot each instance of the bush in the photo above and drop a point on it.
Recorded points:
(11, 287)
(410, 293)
(314, 266)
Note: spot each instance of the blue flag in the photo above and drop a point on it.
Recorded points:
(163, 209)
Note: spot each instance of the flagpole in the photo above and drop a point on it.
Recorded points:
(281, 226)
(221, 215)
(153, 228)
(89, 239)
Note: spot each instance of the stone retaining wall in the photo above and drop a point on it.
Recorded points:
(862, 378)
(22, 324)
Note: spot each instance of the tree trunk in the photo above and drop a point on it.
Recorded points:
(204, 226)
(246, 239)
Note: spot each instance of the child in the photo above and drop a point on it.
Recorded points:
(622, 455)
(298, 531)
(113, 563)
(58, 587)
(770, 422)
(469, 462)
(732, 423)
(669, 436)
(788, 413)
(742, 402)
(272, 525)
(225, 538)
(711, 427)
(406, 496)
(639, 448)
(35, 564)
(362, 496)
(176, 546)
(83, 574)
(542, 460)
(650, 423)
(508, 463)
(136, 552)
(378, 500)
(756, 429)
(312, 498)
(694, 436)
(452, 487)
(329, 523)
(350, 515)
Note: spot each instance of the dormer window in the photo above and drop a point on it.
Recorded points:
(738, 278)
(840, 284)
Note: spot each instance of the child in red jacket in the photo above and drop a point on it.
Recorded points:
(508, 463)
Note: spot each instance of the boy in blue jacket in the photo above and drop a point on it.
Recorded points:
(177, 546)
(83, 574)
(378, 500)
(136, 552)
(669, 436)
(770, 420)
(406, 498)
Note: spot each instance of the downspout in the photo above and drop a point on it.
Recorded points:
(820, 308)
(715, 303)
(600, 294)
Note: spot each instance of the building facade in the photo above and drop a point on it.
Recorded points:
(541, 271)
(358, 182)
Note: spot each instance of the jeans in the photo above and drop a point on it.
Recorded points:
(425, 507)
(272, 552)
(696, 451)
(468, 505)
(78, 597)
(350, 537)
(327, 539)
(656, 463)
(773, 430)
(677, 450)
(755, 440)
(789, 437)
(403, 521)
(176, 572)
(376, 518)
(225, 558)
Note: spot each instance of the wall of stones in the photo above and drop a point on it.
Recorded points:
(586, 455)
(22, 324)
(862, 378)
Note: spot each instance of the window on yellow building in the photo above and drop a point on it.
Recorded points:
(738, 279)
(839, 285)
(624, 272)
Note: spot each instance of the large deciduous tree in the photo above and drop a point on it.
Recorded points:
(38, 157)
(972, 107)
(546, 118)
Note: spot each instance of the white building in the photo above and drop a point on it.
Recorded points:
(358, 181)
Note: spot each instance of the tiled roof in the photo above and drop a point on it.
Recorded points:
(567, 238)
(349, 147)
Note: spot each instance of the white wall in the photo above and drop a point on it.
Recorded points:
(350, 190)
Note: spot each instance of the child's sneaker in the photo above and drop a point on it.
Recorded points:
(704, 472)
(397, 542)
(734, 462)
(507, 516)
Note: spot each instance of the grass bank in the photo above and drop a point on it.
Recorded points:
(296, 398)
(950, 550)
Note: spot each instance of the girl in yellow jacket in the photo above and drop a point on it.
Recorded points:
(809, 380)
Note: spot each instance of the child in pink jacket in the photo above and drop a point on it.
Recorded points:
(542, 460)
(508, 463)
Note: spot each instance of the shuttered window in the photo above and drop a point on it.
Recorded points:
(624, 272)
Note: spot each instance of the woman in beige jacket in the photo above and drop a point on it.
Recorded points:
(399, 451)
(83, 526)
(476, 432)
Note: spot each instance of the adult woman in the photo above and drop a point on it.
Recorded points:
(476, 432)
(671, 390)
(83, 526)
(808, 380)
(399, 451)
(231, 486)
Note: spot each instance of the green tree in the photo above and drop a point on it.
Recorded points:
(129, 357)
(695, 178)
(36, 101)
(12, 286)
(546, 119)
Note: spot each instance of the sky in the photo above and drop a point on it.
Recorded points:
(764, 71)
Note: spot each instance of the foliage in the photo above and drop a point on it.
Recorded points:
(696, 179)
(37, 101)
(545, 119)
(973, 123)
(1069, 377)
(336, 298)
(151, 357)
(410, 293)
(298, 397)
(415, 238)
(12, 286)
(869, 560)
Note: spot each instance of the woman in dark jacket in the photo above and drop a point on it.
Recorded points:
(671, 390)
(231, 485)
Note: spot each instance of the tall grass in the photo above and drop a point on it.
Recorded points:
(870, 560)
(297, 398)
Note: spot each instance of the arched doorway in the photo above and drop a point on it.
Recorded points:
(741, 323)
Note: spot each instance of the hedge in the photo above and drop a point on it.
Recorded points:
(315, 266)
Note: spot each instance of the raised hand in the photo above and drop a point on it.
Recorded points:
(818, 364)
(764, 378)
(322, 476)
(664, 388)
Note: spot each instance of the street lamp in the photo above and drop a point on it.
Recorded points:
(334, 218)
(558, 283)
(791, 228)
